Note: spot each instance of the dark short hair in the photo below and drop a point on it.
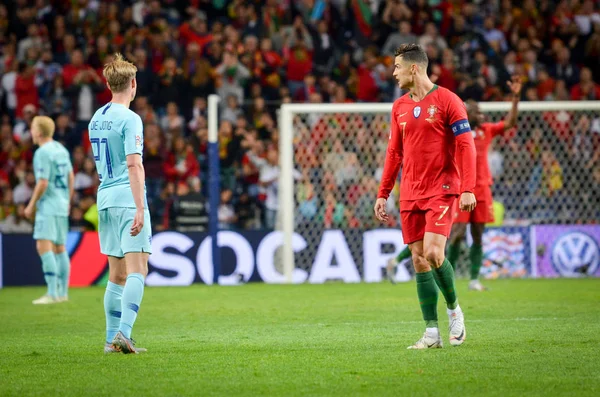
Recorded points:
(412, 53)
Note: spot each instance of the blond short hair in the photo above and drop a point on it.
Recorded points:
(45, 124)
(119, 73)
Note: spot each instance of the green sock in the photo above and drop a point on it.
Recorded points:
(404, 254)
(476, 256)
(444, 277)
(453, 253)
(64, 267)
(49, 268)
(428, 297)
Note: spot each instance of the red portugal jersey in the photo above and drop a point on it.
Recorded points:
(424, 139)
(483, 136)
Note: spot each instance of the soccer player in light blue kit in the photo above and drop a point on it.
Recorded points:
(116, 137)
(50, 202)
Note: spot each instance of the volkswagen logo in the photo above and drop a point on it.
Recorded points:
(575, 254)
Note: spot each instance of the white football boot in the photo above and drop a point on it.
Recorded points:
(475, 285)
(457, 330)
(428, 341)
(45, 300)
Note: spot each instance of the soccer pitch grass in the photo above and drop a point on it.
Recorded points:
(525, 337)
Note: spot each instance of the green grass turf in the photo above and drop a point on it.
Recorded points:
(525, 337)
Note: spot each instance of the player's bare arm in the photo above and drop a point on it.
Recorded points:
(136, 180)
(515, 86)
(38, 191)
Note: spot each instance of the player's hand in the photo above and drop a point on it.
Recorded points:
(138, 222)
(380, 212)
(467, 202)
(515, 85)
(28, 212)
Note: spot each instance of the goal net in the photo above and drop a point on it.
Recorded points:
(546, 171)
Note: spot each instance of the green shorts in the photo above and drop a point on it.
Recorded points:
(114, 228)
(50, 227)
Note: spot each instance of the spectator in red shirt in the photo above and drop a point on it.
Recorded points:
(181, 163)
(546, 84)
(74, 68)
(196, 31)
(371, 77)
(309, 87)
(298, 52)
(26, 88)
(586, 89)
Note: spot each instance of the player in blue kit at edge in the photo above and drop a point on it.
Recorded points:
(117, 140)
(50, 201)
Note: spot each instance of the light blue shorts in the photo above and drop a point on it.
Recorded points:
(114, 228)
(53, 228)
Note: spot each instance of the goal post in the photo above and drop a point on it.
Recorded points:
(322, 137)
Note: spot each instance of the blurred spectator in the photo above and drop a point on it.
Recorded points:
(8, 81)
(26, 88)
(90, 210)
(586, 89)
(430, 37)
(77, 221)
(188, 211)
(172, 120)
(24, 189)
(226, 214)
(155, 156)
(82, 83)
(232, 110)
(181, 163)
(22, 130)
(86, 178)
(232, 76)
(403, 36)
(15, 221)
(171, 85)
(564, 68)
(246, 213)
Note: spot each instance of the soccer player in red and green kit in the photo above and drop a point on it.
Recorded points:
(483, 134)
(429, 131)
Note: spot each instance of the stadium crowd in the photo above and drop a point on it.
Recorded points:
(258, 54)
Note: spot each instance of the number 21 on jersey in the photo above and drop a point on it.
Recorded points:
(60, 180)
(97, 145)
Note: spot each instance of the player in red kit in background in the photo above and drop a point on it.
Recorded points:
(429, 130)
(483, 134)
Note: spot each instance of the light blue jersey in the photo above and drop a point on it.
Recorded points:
(53, 163)
(115, 132)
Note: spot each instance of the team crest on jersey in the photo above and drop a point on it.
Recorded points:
(431, 111)
(417, 111)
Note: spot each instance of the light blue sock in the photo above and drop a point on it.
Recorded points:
(112, 309)
(50, 271)
(130, 303)
(64, 268)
